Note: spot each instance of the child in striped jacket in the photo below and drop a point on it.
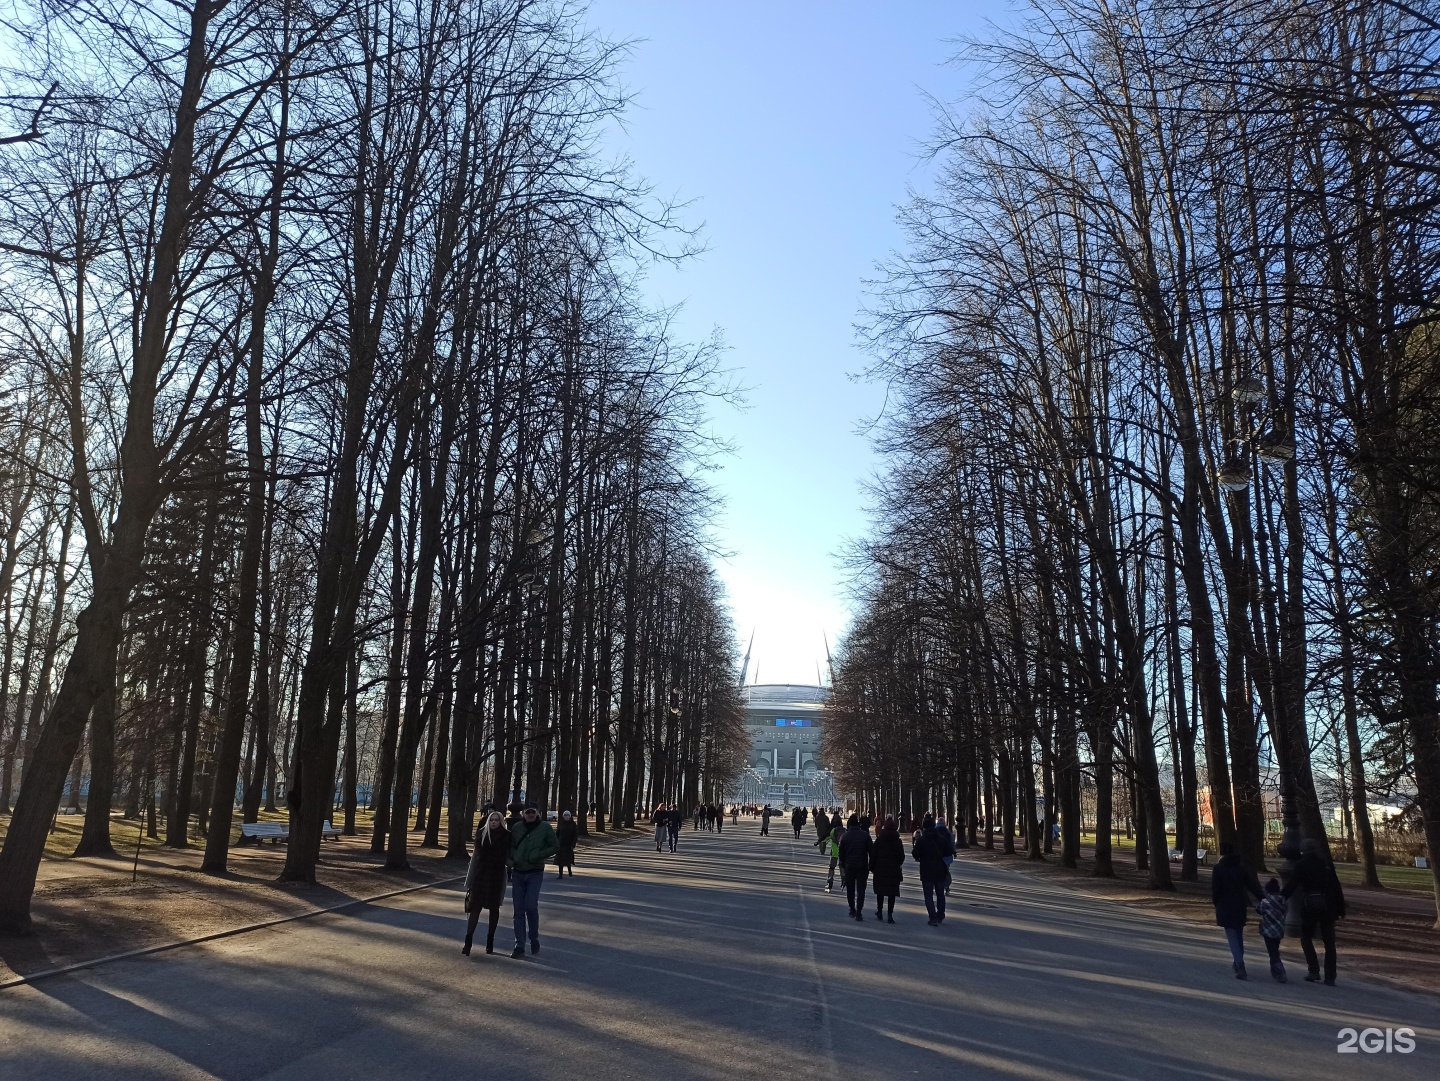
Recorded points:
(1271, 908)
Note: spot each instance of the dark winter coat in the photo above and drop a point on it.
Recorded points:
(1230, 883)
(485, 881)
(855, 846)
(930, 850)
(532, 846)
(885, 860)
(677, 819)
(1316, 888)
(567, 832)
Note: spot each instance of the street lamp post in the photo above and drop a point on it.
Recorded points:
(1271, 444)
(1276, 448)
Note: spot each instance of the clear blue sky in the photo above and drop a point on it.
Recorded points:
(795, 128)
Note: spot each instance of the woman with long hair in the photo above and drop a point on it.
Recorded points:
(485, 881)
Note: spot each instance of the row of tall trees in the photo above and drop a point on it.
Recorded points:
(1160, 507)
(340, 456)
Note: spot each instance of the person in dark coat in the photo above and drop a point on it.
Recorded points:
(929, 848)
(1232, 885)
(677, 819)
(854, 857)
(1316, 889)
(885, 875)
(765, 821)
(567, 832)
(485, 881)
(660, 819)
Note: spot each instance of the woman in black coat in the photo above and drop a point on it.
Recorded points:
(566, 834)
(485, 881)
(885, 876)
(1231, 886)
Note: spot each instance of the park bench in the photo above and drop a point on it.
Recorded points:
(1176, 854)
(277, 831)
(274, 832)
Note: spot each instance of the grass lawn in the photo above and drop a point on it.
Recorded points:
(65, 833)
(1408, 879)
(1416, 879)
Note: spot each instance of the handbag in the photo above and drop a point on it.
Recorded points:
(1314, 906)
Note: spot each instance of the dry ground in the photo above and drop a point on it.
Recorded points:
(90, 908)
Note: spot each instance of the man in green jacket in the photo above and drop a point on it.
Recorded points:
(532, 843)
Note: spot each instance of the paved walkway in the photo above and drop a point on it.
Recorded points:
(724, 961)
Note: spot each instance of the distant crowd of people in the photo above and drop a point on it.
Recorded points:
(868, 850)
(870, 854)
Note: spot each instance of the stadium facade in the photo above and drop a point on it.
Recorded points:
(785, 768)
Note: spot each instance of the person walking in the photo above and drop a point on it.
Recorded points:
(833, 840)
(948, 837)
(485, 880)
(797, 821)
(928, 847)
(660, 819)
(532, 843)
(717, 817)
(854, 853)
(765, 821)
(1321, 902)
(677, 819)
(1230, 883)
(835, 830)
(885, 874)
(1272, 926)
(567, 832)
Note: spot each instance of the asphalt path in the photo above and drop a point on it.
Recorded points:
(726, 960)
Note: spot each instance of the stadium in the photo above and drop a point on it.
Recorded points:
(784, 767)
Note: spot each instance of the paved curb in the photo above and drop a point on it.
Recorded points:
(35, 977)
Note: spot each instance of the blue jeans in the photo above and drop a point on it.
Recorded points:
(1236, 937)
(934, 897)
(525, 888)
